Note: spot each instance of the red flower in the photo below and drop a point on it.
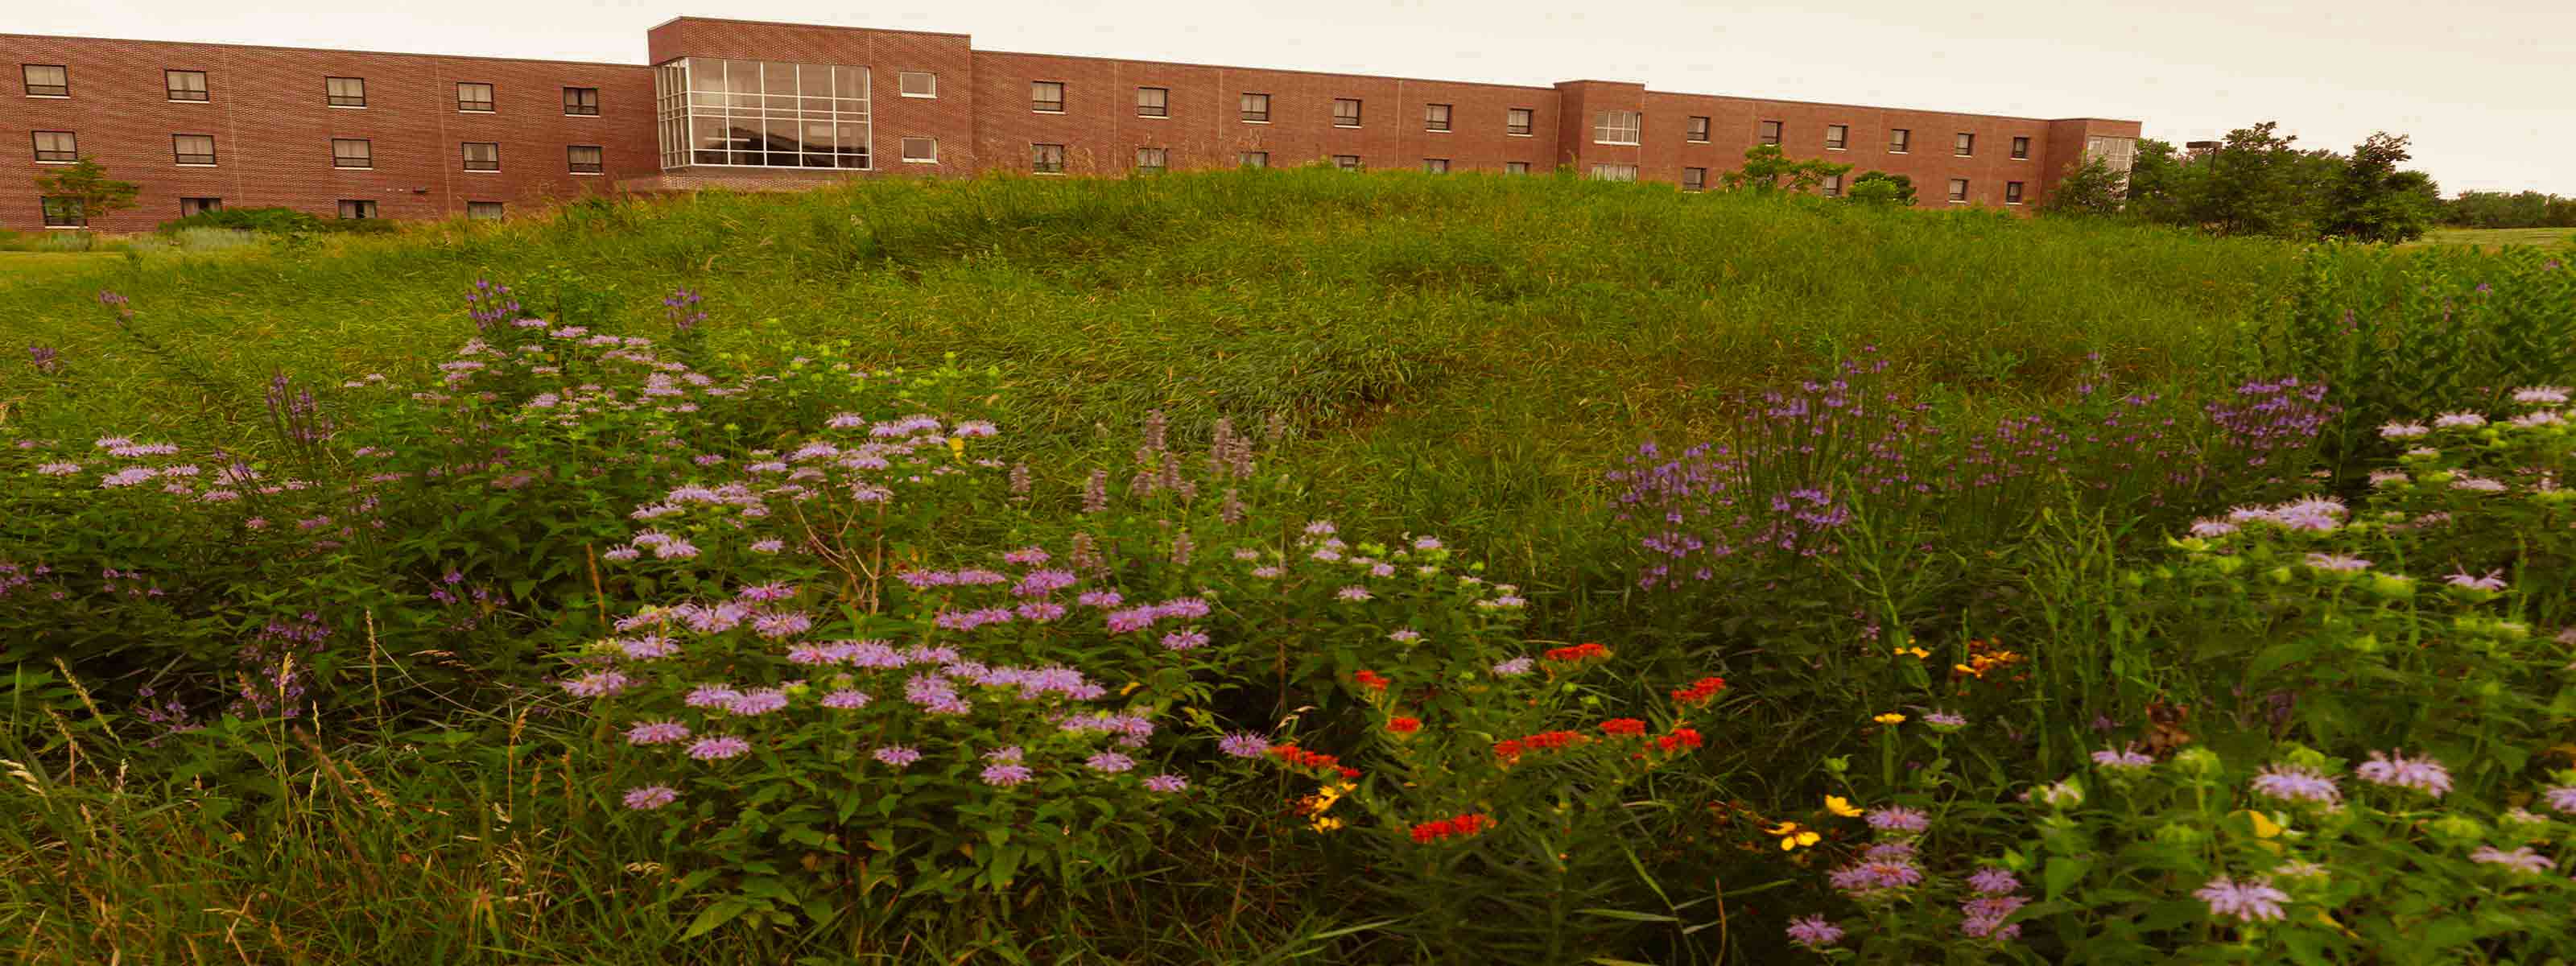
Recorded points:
(1551, 740)
(1507, 749)
(1462, 825)
(1700, 691)
(1351, 773)
(1371, 680)
(1680, 738)
(1623, 726)
(1577, 652)
(1404, 726)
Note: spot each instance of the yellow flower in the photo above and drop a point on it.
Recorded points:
(1841, 806)
(956, 446)
(1792, 835)
(1889, 718)
(1918, 653)
(1326, 823)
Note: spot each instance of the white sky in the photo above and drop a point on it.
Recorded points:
(2486, 87)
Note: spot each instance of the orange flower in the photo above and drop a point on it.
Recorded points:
(1371, 680)
(1460, 825)
(1577, 652)
(1404, 726)
(1623, 726)
(1700, 691)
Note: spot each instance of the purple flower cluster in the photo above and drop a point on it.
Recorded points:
(1132, 619)
(2248, 901)
(2394, 770)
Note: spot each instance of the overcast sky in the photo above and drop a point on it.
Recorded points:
(2486, 87)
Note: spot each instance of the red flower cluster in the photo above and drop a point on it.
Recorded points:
(1510, 751)
(1404, 726)
(1577, 652)
(1371, 679)
(1700, 691)
(1623, 726)
(1680, 738)
(1463, 825)
(1296, 757)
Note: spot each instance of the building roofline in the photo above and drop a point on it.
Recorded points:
(808, 26)
(1883, 107)
(1267, 70)
(319, 50)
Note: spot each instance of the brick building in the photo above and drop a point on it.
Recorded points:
(745, 104)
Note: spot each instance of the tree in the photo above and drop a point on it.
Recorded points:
(1765, 165)
(2090, 189)
(2371, 200)
(85, 184)
(2255, 183)
(1882, 188)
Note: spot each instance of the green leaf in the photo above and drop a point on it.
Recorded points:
(717, 914)
(2063, 872)
(1627, 915)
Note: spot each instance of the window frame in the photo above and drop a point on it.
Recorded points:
(1162, 158)
(1038, 158)
(27, 81)
(1900, 140)
(217, 205)
(1038, 105)
(1527, 126)
(367, 145)
(2013, 193)
(1837, 142)
(465, 151)
(1443, 165)
(36, 144)
(1245, 113)
(1770, 132)
(1163, 109)
(1252, 159)
(1832, 186)
(903, 150)
(596, 167)
(499, 212)
(1614, 171)
(490, 101)
(181, 159)
(74, 216)
(1696, 130)
(357, 101)
(903, 84)
(1694, 179)
(1355, 163)
(1439, 117)
(1358, 112)
(1604, 126)
(1958, 189)
(2021, 147)
(575, 104)
(1516, 167)
(1964, 146)
(365, 208)
(205, 89)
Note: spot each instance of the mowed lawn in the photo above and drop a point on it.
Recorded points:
(2494, 238)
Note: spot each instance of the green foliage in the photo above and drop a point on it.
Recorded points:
(2497, 209)
(1882, 188)
(86, 183)
(2374, 201)
(2088, 189)
(1766, 167)
(277, 221)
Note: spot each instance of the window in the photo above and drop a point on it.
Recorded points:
(1515, 167)
(483, 210)
(916, 83)
(1435, 117)
(2021, 149)
(185, 85)
(1346, 112)
(56, 147)
(474, 98)
(1252, 159)
(352, 153)
(1614, 172)
(2012, 192)
(1046, 158)
(584, 159)
(199, 206)
(46, 80)
(1898, 139)
(1153, 160)
(193, 148)
(921, 150)
(1153, 102)
(1346, 162)
(581, 102)
(1046, 96)
(1958, 190)
(1696, 131)
(64, 213)
(345, 91)
(1837, 136)
(482, 156)
(1436, 165)
(1517, 121)
(1616, 127)
(1256, 108)
(1833, 186)
(1966, 146)
(1694, 179)
(357, 209)
(1770, 132)
(754, 113)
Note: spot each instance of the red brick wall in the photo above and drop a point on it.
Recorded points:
(273, 128)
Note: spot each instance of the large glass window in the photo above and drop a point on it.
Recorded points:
(1616, 127)
(751, 113)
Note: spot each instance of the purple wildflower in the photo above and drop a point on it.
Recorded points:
(897, 755)
(2562, 798)
(2251, 900)
(1898, 819)
(1814, 932)
(2124, 758)
(597, 684)
(1353, 593)
(1006, 775)
(2397, 771)
(1166, 783)
(2520, 860)
(1993, 881)
(651, 797)
(1514, 667)
(1110, 761)
(2492, 581)
(722, 746)
(656, 733)
(2337, 562)
(1185, 639)
(845, 700)
(2294, 783)
(1245, 744)
(757, 702)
